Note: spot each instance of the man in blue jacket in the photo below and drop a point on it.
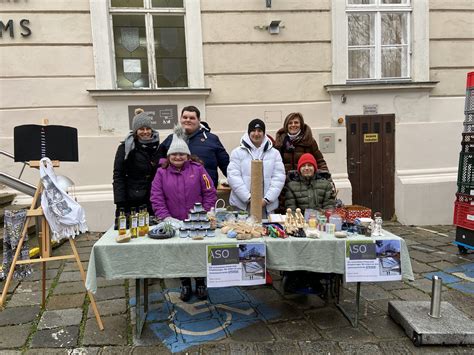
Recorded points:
(201, 142)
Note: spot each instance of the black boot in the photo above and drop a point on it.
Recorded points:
(186, 290)
(201, 289)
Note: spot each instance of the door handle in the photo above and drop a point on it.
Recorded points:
(352, 165)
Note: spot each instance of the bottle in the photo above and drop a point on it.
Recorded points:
(312, 221)
(122, 222)
(147, 219)
(141, 223)
(133, 222)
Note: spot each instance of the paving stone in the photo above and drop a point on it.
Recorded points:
(371, 292)
(419, 268)
(319, 347)
(277, 348)
(38, 275)
(421, 247)
(437, 242)
(326, 318)
(84, 351)
(452, 249)
(411, 295)
(153, 350)
(284, 309)
(68, 276)
(69, 288)
(381, 305)
(256, 332)
(393, 285)
(242, 348)
(264, 294)
(11, 352)
(107, 293)
(84, 256)
(33, 286)
(107, 283)
(14, 336)
(47, 351)
(13, 285)
(424, 257)
(349, 334)
(169, 283)
(383, 327)
(18, 315)
(305, 302)
(116, 350)
(114, 333)
(294, 330)
(395, 347)
(109, 307)
(442, 265)
(65, 301)
(25, 299)
(351, 348)
(60, 318)
(148, 338)
(64, 337)
(74, 267)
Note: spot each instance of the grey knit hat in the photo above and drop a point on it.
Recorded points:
(178, 144)
(143, 119)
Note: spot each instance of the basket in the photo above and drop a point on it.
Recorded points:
(463, 215)
(466, 169)
(468, 127)
(469, 118)
(466, 189)
(469, 106)
(464, 198)
(350, 212)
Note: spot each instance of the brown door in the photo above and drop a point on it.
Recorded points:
(371, 161)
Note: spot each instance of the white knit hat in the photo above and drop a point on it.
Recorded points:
(178, 145)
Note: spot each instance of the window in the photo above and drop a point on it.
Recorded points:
(149, 43)
(378, 39)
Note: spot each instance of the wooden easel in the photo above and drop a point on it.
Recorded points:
(45, 254)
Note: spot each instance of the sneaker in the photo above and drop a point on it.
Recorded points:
(201, 292)
(186, 292)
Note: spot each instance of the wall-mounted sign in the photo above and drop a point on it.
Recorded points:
(10, 27)
(164, 116)
(371, 137)
(371, 109)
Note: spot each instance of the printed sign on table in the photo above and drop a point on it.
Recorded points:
(373, 260)
(236, 264)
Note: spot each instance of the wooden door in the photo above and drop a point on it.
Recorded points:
(371, 161)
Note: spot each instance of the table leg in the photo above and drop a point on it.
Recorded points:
(141, 307)
(355, 321)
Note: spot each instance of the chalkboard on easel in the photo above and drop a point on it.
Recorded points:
(34, 142)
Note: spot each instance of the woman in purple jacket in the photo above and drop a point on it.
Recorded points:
(177, 186)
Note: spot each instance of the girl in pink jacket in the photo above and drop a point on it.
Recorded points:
(177, 186)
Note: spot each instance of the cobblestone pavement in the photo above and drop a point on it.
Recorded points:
(282, 324)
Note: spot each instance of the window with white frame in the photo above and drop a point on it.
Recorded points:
(149, 42)
(378, 39)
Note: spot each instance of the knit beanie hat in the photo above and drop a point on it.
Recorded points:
(307, 158)
(256, 123)
(142, 119)
(178, 144)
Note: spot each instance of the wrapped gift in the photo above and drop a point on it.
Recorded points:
(356, 211)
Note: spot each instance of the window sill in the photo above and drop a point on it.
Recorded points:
(368, 86)
(149, 92)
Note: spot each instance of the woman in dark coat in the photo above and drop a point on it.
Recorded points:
(135, 165)
(296, 139)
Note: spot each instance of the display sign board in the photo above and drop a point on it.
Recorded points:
(370, 109)
(373, 260)
(236, 264)
(163, 116)
(371, 137)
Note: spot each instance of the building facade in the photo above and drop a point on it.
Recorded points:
(380, 82)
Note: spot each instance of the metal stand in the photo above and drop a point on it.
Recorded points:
(45, 255)
(355, 321)
(141, 308)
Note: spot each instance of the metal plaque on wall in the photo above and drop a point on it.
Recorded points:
(163, 116)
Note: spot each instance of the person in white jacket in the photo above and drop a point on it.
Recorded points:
(255, 145)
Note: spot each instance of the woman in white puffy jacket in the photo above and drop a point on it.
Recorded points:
(255, 145)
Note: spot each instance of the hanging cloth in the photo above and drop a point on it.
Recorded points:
(64, 215)
(14, 222)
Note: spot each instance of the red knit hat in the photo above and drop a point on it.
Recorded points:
(307, 158)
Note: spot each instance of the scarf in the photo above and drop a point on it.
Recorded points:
(130, 141)
(14, 222)
(294, 137)
(64, 215)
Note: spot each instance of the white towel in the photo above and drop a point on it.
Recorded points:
(64, 215)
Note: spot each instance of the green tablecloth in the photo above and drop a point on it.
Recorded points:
(182, 257)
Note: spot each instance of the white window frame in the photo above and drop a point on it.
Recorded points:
(418, 41)
(104, 56)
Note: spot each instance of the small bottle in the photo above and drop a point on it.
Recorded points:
(312, 221)
(122, 222)
(133, 222)
(141, 223)
(147, 219)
